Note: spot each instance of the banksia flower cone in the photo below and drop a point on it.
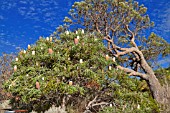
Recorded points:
(33, 52)
(37, 85)
(15, 68)
(113, 59)
(110, 67)
(76, 41)
(47, 38)
(50, 51)
(70, 83)
(29, 47)
(16, 59)
(81, 61)
(107, 57)
(51, 39)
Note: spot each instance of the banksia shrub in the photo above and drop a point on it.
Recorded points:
(52, 70)
(63, 73)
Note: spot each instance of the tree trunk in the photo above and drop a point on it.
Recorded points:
(159, 93)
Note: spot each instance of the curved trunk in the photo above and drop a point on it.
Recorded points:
(159, 93)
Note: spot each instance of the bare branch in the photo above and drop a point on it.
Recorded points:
(133, 73)
(91, 102)
(132, 38)
(101, 103)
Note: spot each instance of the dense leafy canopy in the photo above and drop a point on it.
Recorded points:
(78, 71)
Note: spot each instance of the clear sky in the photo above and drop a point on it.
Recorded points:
(23, 21)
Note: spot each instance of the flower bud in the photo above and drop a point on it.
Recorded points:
(107, 57)
(67, 32)
(33, 52)
(29, 47)
(82, 31)
(70, 83)
(15, 68)
(47, 38)
(76, 40)
(81, 61)
(51, 39)
(37, 64)
(24, 52)
(50, 51)
(138, 107)
(16, 59)
(37, 84)
(110, 67)
(113, 59)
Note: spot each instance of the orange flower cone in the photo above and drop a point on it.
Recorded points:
(15, 68)
(76, 41)
(107, 57)
(50, 51)
(29, 47)
(37, 84)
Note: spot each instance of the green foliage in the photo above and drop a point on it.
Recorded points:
(66, 69)
(110, 17)
(156, 46)
(163, 75)
(128, 97)
(53, 71)
(113, 14)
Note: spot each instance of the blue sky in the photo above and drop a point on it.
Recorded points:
(23, 21)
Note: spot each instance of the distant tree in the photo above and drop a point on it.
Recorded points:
(5, 73)
(122, 25)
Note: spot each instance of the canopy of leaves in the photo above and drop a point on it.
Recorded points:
(74, 68)
(121, 20)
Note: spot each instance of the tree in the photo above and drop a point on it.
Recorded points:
(5, 73)
(122, 24)
(75, 72)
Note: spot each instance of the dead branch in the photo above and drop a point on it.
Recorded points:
(91, 102)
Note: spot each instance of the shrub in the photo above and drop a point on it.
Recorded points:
(74, 70)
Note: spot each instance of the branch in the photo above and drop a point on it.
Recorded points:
(63, 102)
(137, 53)
(132, 39)
(101, 103)
(133, 73)
(91, 102)
(125, 51)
